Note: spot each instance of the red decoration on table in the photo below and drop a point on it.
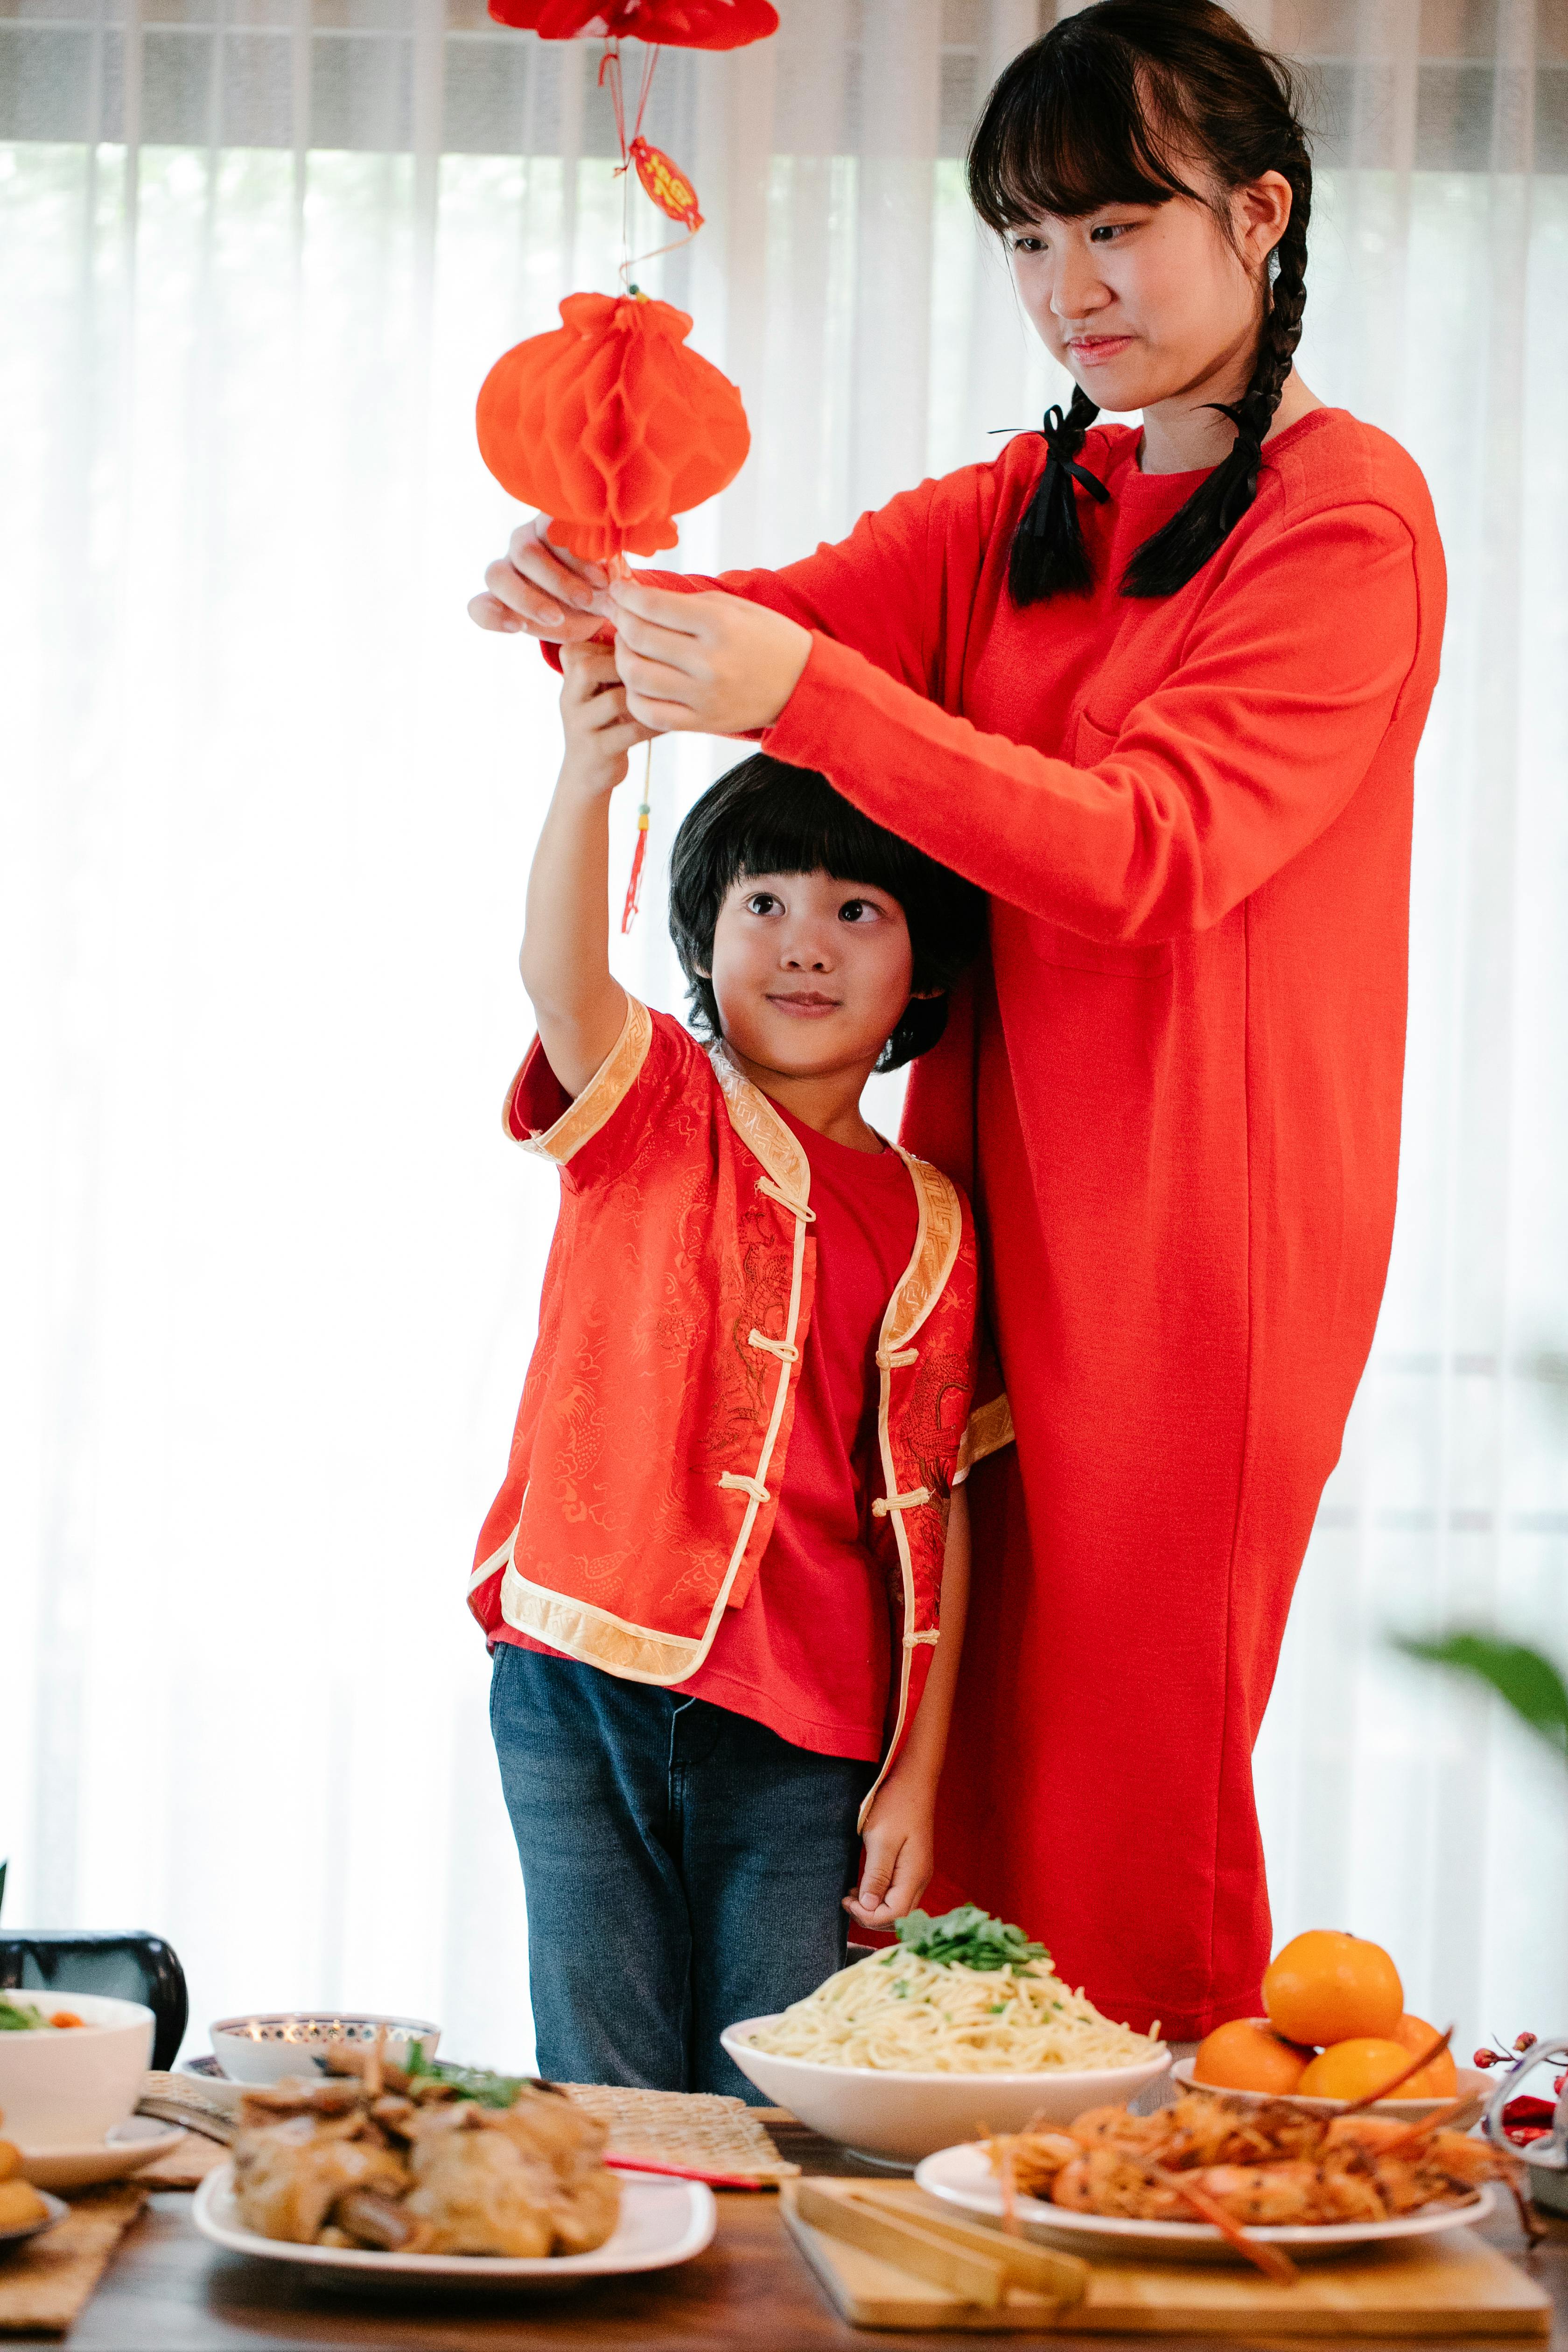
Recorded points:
(610, 426)
(683, 2171)
(1526, 2120)
(665, 23)
(665, 184)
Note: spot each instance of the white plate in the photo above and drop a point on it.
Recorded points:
(138, 2141)
(662, 2223)
(964, 2176)
(898, 2117)
(1410, 2111)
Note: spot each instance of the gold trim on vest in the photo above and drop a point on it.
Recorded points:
(989, 1429)
(600, 1099)
(935, 1255)
(594, 1636)
(765, 1134)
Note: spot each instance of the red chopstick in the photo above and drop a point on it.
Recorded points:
(684, 2172)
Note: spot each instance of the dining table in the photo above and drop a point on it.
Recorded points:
(168, 2290)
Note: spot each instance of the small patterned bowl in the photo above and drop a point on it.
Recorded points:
(277, 2042)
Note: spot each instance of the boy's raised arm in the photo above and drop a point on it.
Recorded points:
(566, 958)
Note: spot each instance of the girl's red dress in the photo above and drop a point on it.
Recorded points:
(1173, 1094)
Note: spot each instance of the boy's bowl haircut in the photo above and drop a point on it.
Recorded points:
(767, 818)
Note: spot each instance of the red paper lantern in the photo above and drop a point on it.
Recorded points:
(610, 426)
(663, 24)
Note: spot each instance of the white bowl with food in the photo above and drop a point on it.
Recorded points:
(961, 2027)
(67, 2085)
(274, 2044)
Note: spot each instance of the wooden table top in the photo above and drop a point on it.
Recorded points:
(169, 2291)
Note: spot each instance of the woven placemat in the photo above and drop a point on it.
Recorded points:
(46, 2283)
(701, 2128)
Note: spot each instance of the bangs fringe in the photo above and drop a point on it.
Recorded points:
(1071, 127)
(799, 824)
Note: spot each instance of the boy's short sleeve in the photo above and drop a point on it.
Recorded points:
(653, 1063)
(989, 1424)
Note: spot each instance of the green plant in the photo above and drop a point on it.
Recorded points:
(1523, 1679)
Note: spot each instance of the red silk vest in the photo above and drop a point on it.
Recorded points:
(654, 1428)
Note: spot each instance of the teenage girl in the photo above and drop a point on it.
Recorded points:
(1159, 689)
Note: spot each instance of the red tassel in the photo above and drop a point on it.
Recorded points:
(629, 912)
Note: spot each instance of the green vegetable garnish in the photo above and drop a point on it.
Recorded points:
(20, 2016)
(476, 2083)
(970, 1937)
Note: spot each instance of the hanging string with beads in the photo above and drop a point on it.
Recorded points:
(668, 188)
(634, 888)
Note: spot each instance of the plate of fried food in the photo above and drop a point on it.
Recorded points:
(1209, 2179)
(442, 2173)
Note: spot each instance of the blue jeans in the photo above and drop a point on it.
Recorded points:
(683, 1866)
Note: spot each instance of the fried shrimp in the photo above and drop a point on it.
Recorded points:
(1239, 2167)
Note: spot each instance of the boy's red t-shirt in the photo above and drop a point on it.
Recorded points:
(809, 1652)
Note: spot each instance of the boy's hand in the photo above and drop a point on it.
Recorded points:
(900, 1852)
(600, 730)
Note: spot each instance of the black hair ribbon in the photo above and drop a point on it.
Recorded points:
(1053, 429)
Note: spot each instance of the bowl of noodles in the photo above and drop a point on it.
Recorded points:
(962, 2026)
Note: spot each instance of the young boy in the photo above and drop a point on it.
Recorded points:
(713, 1578)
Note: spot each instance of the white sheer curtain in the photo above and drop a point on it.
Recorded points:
(268, 1271)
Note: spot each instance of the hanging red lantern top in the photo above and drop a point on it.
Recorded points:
(610, 426)
(661, 23)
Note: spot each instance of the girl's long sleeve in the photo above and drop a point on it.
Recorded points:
(1209, 784)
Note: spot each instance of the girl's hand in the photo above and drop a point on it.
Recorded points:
(543, 589)
(899, 1854)
(599, 730)
(710, 664)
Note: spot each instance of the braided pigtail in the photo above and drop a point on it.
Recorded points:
(1114, 106)
(1168, 560)
(1048, 555)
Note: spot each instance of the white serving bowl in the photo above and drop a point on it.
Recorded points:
(1410, 2111)
(277, 2042)
(902, 2117)
(62, 2086)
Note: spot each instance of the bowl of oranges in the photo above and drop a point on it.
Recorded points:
(1336, 2031)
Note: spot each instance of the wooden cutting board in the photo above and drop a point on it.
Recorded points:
(1455, 2285)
